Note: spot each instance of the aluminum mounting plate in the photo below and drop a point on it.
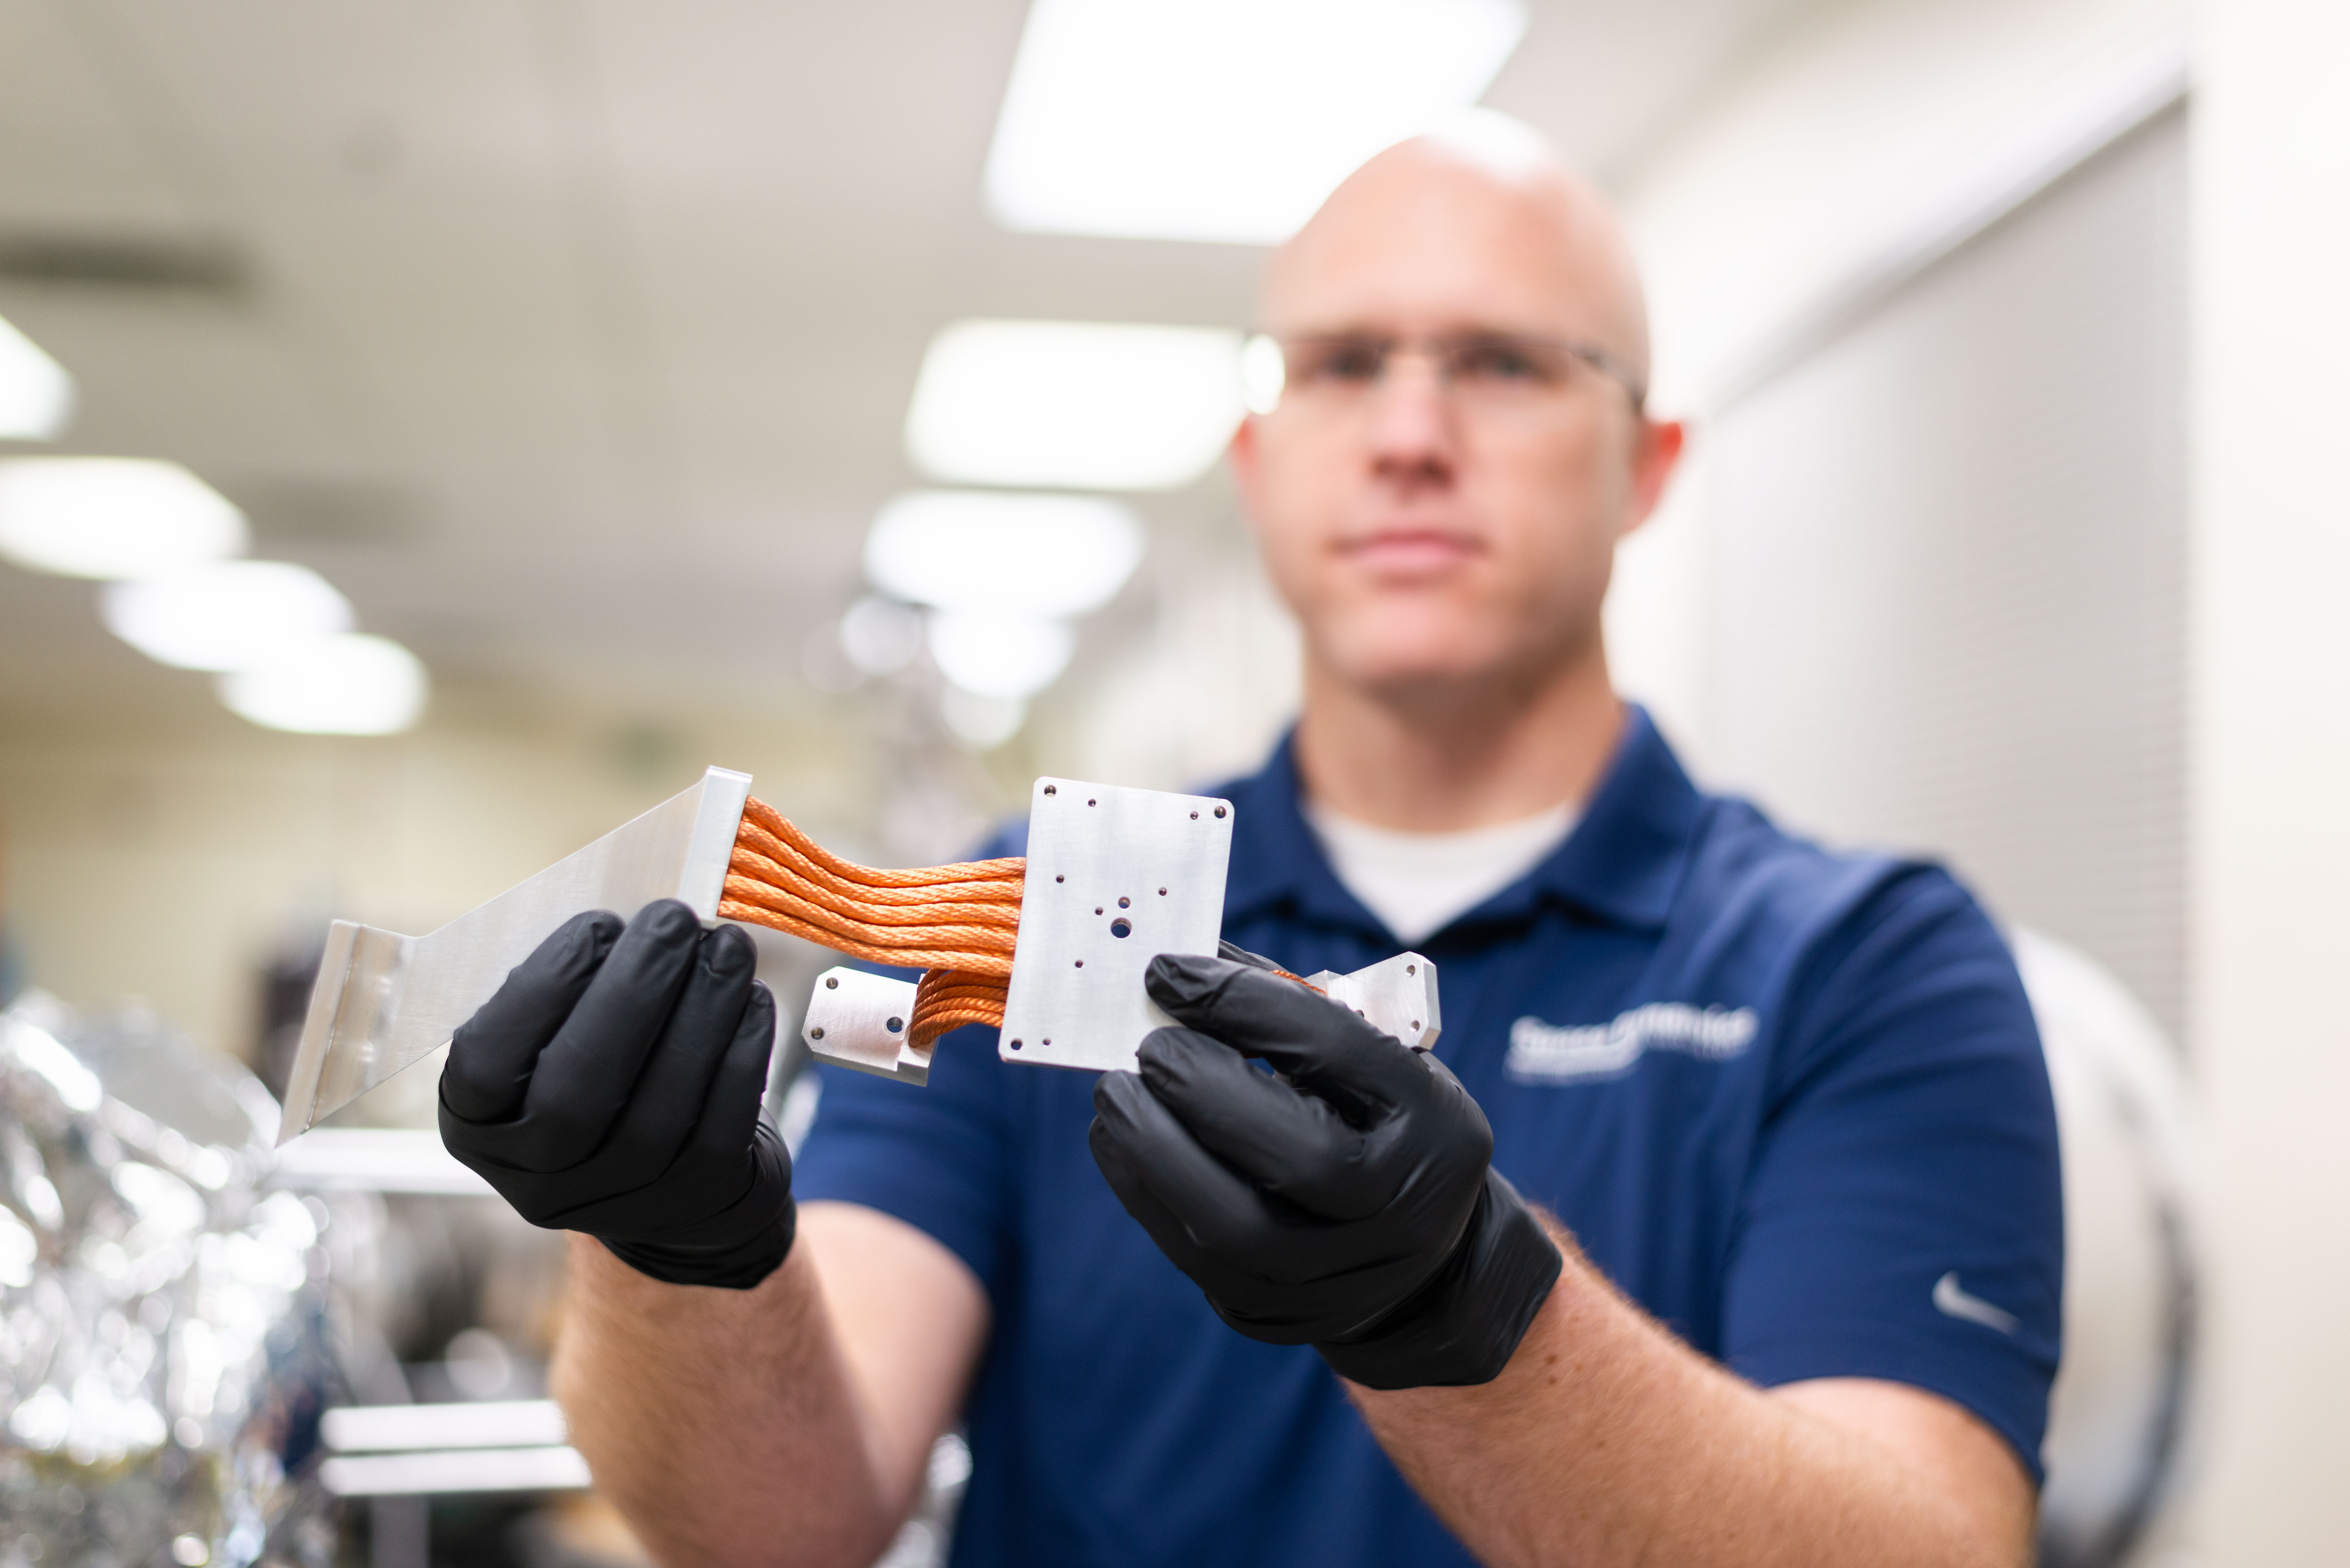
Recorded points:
(384, 1001)
(1115, 877)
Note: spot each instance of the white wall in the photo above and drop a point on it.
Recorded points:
(1851, 139)
(2271, 764)
(1829, 147)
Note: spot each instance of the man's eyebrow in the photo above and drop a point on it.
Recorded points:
(1466, 329)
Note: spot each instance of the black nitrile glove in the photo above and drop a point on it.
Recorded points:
(1352, 1208)
(612, 1087)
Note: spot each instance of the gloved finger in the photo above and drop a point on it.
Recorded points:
(704, 1169)
(1248, 1231)
(1322, 1047)
(1289, 1143)
(588, 1070)
(730, 1111)
(1259, 1308)
(492, 1054)
(1236, 953)
(1125, 1178)
(1216, 1208)
(653, 1128)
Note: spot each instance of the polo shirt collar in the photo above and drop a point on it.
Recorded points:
(1623, 863)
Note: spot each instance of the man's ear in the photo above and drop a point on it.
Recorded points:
(1661, 442)
(1242, 454)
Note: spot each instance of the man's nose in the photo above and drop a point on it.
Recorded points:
(1414, 438)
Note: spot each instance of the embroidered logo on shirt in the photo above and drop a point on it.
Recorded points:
(1556, 1054)
(1952, 1302)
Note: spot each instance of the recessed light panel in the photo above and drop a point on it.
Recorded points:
(36, 396)
(1082, 405)
(1224, 119)
(1004, 657)
(112, 517)
(232, 614)
(1018, 555)
(348, 685)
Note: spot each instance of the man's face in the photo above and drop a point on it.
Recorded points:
(1450, 519)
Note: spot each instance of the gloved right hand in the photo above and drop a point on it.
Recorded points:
(612, 1087)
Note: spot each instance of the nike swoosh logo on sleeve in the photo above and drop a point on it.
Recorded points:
(1952, 1302)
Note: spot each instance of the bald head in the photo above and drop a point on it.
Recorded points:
(1483, 219)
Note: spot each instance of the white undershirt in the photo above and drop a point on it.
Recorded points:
(1418, 882)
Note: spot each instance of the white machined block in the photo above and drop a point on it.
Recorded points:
(1398, 995)
(859, 1020)
(1115, 877)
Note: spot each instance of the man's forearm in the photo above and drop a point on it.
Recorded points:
(1606, 1440)
(721, 1423)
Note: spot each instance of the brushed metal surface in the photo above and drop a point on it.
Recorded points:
(848, 1023)
(1115, 875)
(1398, 995)
(384, 1001)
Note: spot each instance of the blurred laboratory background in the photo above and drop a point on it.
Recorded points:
(431, 432)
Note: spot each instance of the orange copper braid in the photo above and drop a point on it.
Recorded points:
(958, 923)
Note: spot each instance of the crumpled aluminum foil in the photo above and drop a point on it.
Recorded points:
(164, 1347)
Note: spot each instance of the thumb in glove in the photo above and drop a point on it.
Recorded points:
(1349, 1204)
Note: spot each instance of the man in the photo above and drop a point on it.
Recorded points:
(1722, 1227)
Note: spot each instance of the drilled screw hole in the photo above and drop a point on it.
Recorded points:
(1220, 811)
(1125, 903)
(1415, 1023)
(1050, 790)
(1097, 909)
(1081, 963)
(817, 1033)
(894, 1025)
(1121, 927)
(1411, 969)
(1089, 803)
(832, 983)
(1016, 1044)
(1060, 879)
(1195, 816)
(1162, 892)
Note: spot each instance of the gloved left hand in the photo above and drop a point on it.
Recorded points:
(612, 1087)
(1352, 1207)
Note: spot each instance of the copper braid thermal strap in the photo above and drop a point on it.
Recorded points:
(958, 923)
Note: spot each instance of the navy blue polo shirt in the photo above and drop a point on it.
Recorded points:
(1792, 1102)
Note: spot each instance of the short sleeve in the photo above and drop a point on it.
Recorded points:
(936, 1156)
(1903, 1217)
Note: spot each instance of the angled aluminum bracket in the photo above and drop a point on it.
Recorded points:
(1398, 995)
(384, 1001)
(857, 1019)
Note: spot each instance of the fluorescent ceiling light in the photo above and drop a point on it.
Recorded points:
(1004, 554)
(349, 685)
(1007, 656)
(1224, 119)
(880, 636)
(112, 517)
(231, 615)
(982, 723)
(36, 396)
(1084, 405)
